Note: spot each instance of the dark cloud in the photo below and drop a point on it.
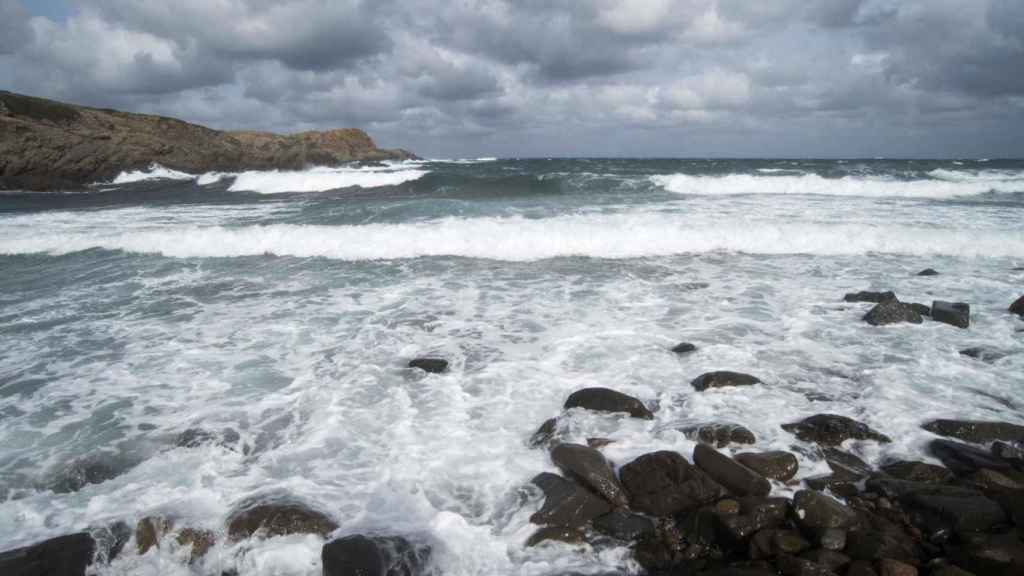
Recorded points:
(549, 77)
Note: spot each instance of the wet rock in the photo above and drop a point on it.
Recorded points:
(846, 464)
(735, 477)
(62, 556)
(1018, 307)
(983, 353)
(359, 555)
(770, 543)
(868, 296)
(953, 313)
(922, 309)
(590, 467)
(890, 567)
(777, 465)
(992, 555)
(684, 348)
(928, 272)
(793, 566)
(721, 379)
(838, 484)
(567, 503)
(664, 483)
(860, 568)
(755, 514)
(992, 481)
(872, 543)
(555, 534)
(623, 525)
(90, 470)
(832, 430)
(978, 432)
(545, 434)
(918, 472)
(607, 400)
(892, 312)
(277, 518)
(832, 539)
(110, 541)
(935, 509)
(945, 570)
(719, 434)
(828, 558)
(1012, 453)
(598, 443)
(149, 531)
(430, 365)
(816, 512)
(199, 541)
(196, 437)
(964, 459)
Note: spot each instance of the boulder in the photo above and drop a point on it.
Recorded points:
(992, 555)
(874, 543)
(890, 567)
(928, 272)
(832, 539)
(794, 566)
(589, 467)
(860, 568)
(922, 309)
(719, 434)
(832, 430)
(62, 556)
(567, 503)
(360, 555)
(266, 518)
(777, 465)
(975, 431)
(918, 472)
(607, 400)
(846, 464)
(1012, 453)
(684, 348)
(892, 312)
(430, 365)
(867, 296)
(562, 534)
(964, 459)
(623, 525)
(664, 483)
(755, 514)
(769, 543)
(830, 559)
(816, 512)
(840, 485)
(721, 379)
(953, 313)
(1018, 307)
(733, 476)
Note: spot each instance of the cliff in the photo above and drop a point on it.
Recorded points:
(48, 145)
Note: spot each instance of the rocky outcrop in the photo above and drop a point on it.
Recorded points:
(607, 400)
(63, 556)
(47, 145)
(833, 430)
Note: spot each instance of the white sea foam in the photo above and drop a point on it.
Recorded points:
(520, 239)
(155, 172)
(320, 179)
(813, 184)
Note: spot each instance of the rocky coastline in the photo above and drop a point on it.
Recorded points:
(722, 510)
(51, 146)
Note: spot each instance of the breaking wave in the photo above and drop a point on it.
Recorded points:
(941, 184)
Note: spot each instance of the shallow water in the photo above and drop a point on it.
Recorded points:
(131, 312)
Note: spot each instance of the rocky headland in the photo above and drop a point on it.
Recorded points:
(47, 145)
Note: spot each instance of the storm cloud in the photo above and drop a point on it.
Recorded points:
(556, 77)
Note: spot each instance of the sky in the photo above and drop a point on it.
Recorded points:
(467, 78)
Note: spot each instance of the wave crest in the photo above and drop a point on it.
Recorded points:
(943, 186)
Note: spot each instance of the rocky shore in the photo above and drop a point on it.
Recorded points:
(723, 509)
(47, 145)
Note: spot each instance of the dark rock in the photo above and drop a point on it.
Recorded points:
(777, 465)
(983, 353)
(828, 558)
(928, 272)
(149, 531)
(770, 543)
(607, 400)
(755, 514)
(719, 434)
(833, 539)
(62, 556)
(841, 485)
(110, 541)
(562, 534)
(793, 566)
(735, 477)
(871, 544)
(590, 467)
(654, 555)
(1018, 307)
(964, 459)
(567, 503)
(276, 518)
(545, 434)
(684, 348)
(597, 443)
(622, 525)
(816, 512)
(721, 379)
(953, 313)
(430, 365)
(945, 570)
(360, 555)
(918, 472)
(992, 481)
(664, 483)
(861, 568)
(1012, 453)
(992, 555)
(867, 296)
(922, 309)
(196, 437)
(892, 312)
(846, 464)
(198, 541)
(90, 470)
(975, 431)
(890, 567)
(962, 513)
(832, 430)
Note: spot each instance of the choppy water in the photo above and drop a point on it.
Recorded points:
(285, 306)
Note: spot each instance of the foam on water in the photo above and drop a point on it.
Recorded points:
(814, 184)
(155, 172)
(316, 179)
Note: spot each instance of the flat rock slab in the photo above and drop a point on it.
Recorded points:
(722, 379)
(833, 430)
(953, 313)
(567, 503)
(592, 469)
(976, 431)
(663, 484)
(735, 477)
(607, 400)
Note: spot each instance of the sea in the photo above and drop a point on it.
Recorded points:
(278, 312)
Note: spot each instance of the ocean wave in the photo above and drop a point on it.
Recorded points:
(155, 172)
(522, 239)
(813, 184)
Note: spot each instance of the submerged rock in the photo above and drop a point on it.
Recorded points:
(833, 430)
(777, 465)
(360, 555)
(607, 400)
(868, 296)
(430, 365)
(892, 312)
(196, 437)
(735, 477)
(684, 348)
(928, 272)
(590, 467)
(562, 534)
(62, 556)
(976, 431)
(277, 518)
(721, 379)
(89, 470)
(953, 313)
(567, 503)
(664, 483)
(151, 530)
(1018, 307)
(719, 434)
(544, 435)
(983, 353)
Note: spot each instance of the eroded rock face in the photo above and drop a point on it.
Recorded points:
(63, 556)
(360, 555)
(607, 400)
(721, 379)
(590, 467)
(277, 518)
(664, 483)
(48, 145)
(833, 430)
